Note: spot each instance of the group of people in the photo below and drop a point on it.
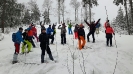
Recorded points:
(49, 33)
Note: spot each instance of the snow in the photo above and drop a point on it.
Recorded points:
(98, 60)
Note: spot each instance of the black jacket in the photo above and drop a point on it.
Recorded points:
(25, 36)
(81, 32)
(44, 39)
(92, 26)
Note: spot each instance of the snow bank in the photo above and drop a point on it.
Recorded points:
(1, 36)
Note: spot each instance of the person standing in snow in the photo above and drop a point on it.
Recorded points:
(92, 30)
(44, 44)
(50, 33)
(18, 40)
(97, 28)
(105, 24)
(63, 33)
(81, 36)
(30, 35)
(76, 31)
(54, 29)
(27, 42)
(70, 29)
(109, 31)
(35, 32)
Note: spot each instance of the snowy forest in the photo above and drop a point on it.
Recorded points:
(66, 37)
(14, 14)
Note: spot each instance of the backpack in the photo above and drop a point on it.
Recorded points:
(14, 37)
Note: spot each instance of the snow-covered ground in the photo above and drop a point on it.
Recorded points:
(98, 60)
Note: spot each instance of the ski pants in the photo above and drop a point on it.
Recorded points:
(91, 32)
(17, 47)
(46, 48)
(32, 42)
(52, 38)
(63, 38)
(81, 42)
(24, 45)
(70, 31)
(76, 35)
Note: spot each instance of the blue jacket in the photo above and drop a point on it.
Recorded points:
(98, 25)
(19, 38)
(49, 30)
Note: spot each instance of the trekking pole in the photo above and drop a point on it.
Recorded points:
(106, 12)
(115, 41)
(46, 51)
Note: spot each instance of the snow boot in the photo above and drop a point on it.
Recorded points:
(42, 58)
(51, 57)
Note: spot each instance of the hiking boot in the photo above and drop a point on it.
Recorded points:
(13, 62)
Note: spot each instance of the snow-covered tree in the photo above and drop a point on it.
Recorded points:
(35, 12)
(47, 6)
(75, 4)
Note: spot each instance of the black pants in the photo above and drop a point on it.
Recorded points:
(109, 39)
(91, 32)
(32, 42)
(52, 38)
(48, 52)
(63, 38)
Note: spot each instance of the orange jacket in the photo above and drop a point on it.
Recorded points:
(109, 30)
(30, 33)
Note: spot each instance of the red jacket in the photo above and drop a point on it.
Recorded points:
(105, 24)
(34, 30)
(109, 30)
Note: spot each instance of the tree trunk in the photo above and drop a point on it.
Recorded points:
(131, 9)
(75, 14)
(90, 12)
(125, 5)
(59, 11)
(63, 10)
(85, 12)
(3, 16)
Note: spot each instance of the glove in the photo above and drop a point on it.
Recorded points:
(24, 43)
(114, 33)
(78, 37)
(33, 37)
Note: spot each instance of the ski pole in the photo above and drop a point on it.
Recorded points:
(115, 41)
(106, 12)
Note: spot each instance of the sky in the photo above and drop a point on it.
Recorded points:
(99, 10)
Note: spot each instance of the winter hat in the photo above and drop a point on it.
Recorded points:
(43, 29)
(81, 25)
(26, 29)
(20, 28)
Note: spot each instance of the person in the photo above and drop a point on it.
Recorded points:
(26, 42)
(70, 28)
(81, 36)
(105, 24)
(92, 30)
(30, 35)
(44, 45)
(18, 40)
(42, 27)
(63, 33)
(97, 27)
(50, 33)
(54, 29)
(76, 31)
(109, 32)
(35, 32)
